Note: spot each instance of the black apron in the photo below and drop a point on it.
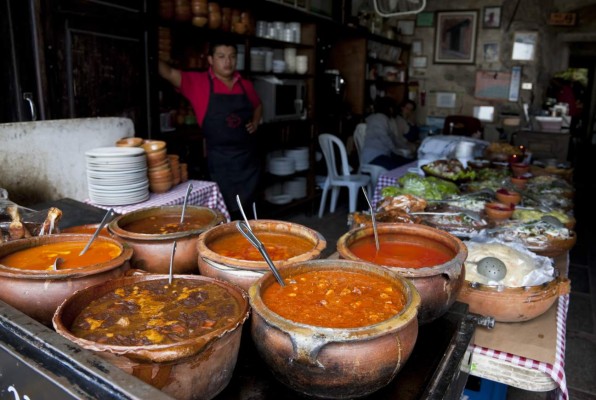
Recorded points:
(231, 151)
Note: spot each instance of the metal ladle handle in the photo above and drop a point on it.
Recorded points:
(188, 190)
(103, 223)
(250, 236)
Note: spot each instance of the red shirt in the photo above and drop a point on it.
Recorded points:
(195, 87)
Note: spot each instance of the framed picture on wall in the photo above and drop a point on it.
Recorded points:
(455, 37)
(524, 46)
(417, 46)
(491, 17)
(419, 62)
(490, 52)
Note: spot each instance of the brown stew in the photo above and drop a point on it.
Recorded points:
(154, 312)
(279, 246)
(335, 299)
(157, 225)
(42, 257)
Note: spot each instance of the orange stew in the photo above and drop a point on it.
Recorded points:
(156, 225)
(43, 257)
(154, 312)
(279, 246)
(401, 254)
(86, 229)
(335, 299)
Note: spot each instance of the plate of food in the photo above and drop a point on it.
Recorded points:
(451, 170)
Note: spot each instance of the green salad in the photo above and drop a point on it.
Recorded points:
(429, 188)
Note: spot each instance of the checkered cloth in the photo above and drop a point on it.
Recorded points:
(390, 178)
(555, 371)
(204, 193)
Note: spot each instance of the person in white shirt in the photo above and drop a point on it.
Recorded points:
(383, 145)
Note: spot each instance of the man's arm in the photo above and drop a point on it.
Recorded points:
(170, 74)
(252, 126)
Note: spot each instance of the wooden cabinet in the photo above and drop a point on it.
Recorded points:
(75, 59)
(371, 66)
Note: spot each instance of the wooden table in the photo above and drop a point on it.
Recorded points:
(528, 355)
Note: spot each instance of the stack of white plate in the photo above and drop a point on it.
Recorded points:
(281, 166)
(296, 188)
(117, 175)
(300, 156)
(274, 194)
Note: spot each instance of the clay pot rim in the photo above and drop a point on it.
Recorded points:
(407, 315)
(520, 290)
(73, 273)
(319, 244)
(447, 239)
(115, 229)
(159, 352)
(554, 247)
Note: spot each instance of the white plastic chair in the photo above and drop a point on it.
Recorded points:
(373, 170)
(335, 180)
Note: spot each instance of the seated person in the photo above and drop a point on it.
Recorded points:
(405, 121)
(381, 146)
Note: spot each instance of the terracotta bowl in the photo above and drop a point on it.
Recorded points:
(553, 248)
(498, 211)
(39, 293)
(201, 365)
(333, 362)
(438, 285)
(246, 272)
(152, 146)
(520, 182)
(129, 142)
(520, 169)
(513, 304)
(507, 196)
(152, 251)
(88, 229)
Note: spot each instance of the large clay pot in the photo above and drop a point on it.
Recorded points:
(246, 272)
(333, 362)
(196, 368)
(39, 293)
(438, 285)
(152, 251)
(518, 304)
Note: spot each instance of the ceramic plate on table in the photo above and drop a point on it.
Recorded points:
(115, 152)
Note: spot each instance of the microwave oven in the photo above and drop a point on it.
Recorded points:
(282, 99)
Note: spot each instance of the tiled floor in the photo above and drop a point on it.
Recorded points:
(580, 360)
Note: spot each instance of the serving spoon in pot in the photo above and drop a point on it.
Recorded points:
(374, 220)
(250, 236)
(188, 190)
(103, 223)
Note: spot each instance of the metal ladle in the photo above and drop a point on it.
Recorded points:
(103, 223)
(374, 221)
(171, 271)
(250, 236)
(188, 190)
(57, 263)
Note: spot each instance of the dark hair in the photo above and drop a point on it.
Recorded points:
(386, 105)
(221, 42)
(408, 101)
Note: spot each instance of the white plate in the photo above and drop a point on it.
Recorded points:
(280, 199)
(115, 151)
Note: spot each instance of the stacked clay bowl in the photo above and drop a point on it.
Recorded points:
(159, 171)
(431, 258)
(175, 167)
(151, 232)
(187, 358)
(225, 254)
(31, 285)
(347, 349)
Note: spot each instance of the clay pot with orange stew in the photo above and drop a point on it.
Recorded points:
(338, 329)
(181, 338)
(152, 231)
(36, 290)
(225, 254)
(431, 258)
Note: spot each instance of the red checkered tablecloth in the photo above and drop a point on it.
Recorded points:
(204, 193)
(557, 370)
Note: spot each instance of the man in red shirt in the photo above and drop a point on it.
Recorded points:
(229, 111)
